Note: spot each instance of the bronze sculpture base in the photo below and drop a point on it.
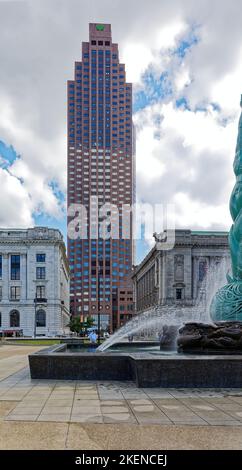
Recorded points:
(168, 338)
(214, 338)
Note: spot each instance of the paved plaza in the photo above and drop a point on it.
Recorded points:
(103, 415)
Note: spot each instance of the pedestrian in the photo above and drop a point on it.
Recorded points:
(93, 337)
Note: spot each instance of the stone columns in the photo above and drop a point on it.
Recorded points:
(135, 294)
(23, 276)
(163, 277)
(5, 277)
(195, 276)
(160, 279)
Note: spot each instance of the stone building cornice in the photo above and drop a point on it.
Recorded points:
(186, 239)
(34, 236)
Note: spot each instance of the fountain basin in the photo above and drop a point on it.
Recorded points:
(146, 369)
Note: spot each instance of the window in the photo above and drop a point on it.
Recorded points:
(1, 293)
(202, 270)
(178, 294)
(40, 273)
(14, 319)
(40, 257)
(40, 292)
(15, 267)
(0, 319)
(0, 266)
(179, 267)
(14, 293)
(41, 318)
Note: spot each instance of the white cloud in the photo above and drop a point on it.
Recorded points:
(150, 164)
(137, 58)
(191, 214)
(227, 89)
(190, 165)
(139, 55)
(16, 206)
(167, 36)
(200, 130)
(41, 162)
(182, 78)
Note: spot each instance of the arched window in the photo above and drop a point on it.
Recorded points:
(14, 319)
(41, 318)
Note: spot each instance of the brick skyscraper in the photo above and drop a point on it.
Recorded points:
(100, 163)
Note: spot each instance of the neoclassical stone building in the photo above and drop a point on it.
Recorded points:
(177, 276)
(34, 282)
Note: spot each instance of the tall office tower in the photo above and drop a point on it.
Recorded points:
(101, 164)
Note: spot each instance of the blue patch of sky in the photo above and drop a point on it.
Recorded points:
(203, 107)
(182, 103)
(142, 248)
(43, 220)
(7, 155)
(216, 107)
(157, 88)
(56, 191)
(186, 44)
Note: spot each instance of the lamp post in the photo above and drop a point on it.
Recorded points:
(35, 313)
(98, 284)
(98, 303)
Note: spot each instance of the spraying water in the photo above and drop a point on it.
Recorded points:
(152, 321)
(214, 279)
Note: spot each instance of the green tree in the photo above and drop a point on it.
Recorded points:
(77, 326)
(88, 323)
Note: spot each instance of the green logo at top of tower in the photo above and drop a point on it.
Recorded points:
(100, 27)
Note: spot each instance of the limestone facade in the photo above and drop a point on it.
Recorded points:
(34, 282)
(178, 276)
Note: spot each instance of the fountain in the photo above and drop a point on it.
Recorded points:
(209, 342)
(165, 319)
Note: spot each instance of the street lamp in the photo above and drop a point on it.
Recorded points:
(35, 313)
(98, 284)
(98, 303)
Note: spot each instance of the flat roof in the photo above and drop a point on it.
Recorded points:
(208, 232)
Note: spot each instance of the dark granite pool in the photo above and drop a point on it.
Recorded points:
(117, 348)
(147, 368)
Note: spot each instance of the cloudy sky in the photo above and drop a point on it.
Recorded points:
(185, 60)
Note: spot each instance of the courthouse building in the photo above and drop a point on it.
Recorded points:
(34, 282)
(178, 276)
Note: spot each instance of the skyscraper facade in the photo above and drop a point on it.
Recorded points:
(101, 166)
